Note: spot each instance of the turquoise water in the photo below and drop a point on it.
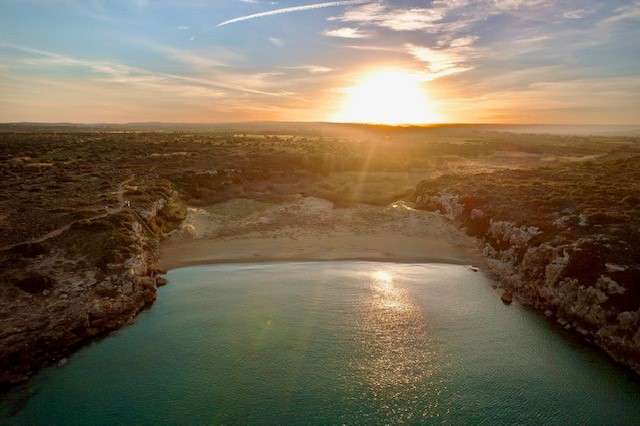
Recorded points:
(331, 343)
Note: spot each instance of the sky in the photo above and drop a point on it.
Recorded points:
(460, 61)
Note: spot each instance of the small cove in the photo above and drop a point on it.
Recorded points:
(332, 342)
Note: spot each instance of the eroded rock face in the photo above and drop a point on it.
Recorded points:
(511, 234)
(152, 210)
(60, 304)
(544, 279)
(571, 282)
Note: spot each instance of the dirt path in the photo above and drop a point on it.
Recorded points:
(60, 230)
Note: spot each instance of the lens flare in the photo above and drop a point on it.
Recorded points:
(388, 97)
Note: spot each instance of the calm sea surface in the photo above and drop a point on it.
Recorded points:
(331, 343)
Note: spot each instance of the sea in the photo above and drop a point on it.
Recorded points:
(332, 343)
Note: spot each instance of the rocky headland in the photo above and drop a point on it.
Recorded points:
(88, 280)
(555, 245)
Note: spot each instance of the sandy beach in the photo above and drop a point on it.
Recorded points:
(311, 229)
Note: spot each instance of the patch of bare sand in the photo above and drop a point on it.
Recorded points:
(309, 228)
(198, 224)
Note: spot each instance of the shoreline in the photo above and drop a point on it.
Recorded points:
(82, 307)
(308, 249)
(248, 261)
(362, 233)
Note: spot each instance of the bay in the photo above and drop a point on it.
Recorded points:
(332, 342)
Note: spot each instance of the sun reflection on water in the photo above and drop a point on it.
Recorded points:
(399, 361)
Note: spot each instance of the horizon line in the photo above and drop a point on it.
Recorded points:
(317, 121)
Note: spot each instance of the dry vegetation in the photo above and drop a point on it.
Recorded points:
(65, 192)
(593, 200)
(563, 236)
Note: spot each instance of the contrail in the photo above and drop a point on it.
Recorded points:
(295, 9)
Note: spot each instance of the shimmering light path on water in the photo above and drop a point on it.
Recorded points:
(332, 342)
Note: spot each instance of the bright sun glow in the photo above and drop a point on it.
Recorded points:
(388, 97)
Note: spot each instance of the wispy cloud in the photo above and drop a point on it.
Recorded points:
(313, 69)
(373, 48)
(276, 41)
(347, 32)
(294, 9)
(208, 59)
(575, 14)
(518, 4)
(562, 102)
(106, 71)
(439, 63)
(394, 18)
(483, 59)
(627, 12)
(453, 15)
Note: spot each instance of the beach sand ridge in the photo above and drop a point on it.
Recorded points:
(311, 229)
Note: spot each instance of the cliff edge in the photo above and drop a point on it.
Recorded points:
(563, 240)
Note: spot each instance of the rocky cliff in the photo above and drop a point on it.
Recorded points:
(59, 293)
(581, 269)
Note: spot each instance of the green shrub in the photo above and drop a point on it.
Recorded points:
(587, 262)
(631, 200)
(478, 227)
(471, 202)
(95, 225)
(33, 282)
(111, 256)
(173, 212)
(29, 250)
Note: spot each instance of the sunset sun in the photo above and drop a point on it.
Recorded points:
(388, 97)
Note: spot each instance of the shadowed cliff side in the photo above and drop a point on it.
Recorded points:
(562, 239)
(94, 276)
